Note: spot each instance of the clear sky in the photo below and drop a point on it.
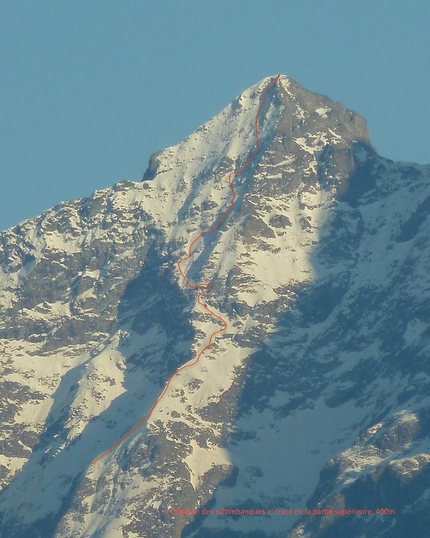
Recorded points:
(90, 88)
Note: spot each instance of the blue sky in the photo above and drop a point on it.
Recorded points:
(90, 88)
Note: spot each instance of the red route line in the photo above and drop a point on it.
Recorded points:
(204, 285)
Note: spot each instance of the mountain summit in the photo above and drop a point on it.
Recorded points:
(315, 397)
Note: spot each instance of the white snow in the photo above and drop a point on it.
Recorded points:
(322, 111)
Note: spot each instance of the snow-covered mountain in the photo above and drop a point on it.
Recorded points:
(317, 395)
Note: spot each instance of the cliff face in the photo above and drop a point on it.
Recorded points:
(316, 395)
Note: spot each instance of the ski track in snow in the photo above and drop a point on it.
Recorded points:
(203, 286)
